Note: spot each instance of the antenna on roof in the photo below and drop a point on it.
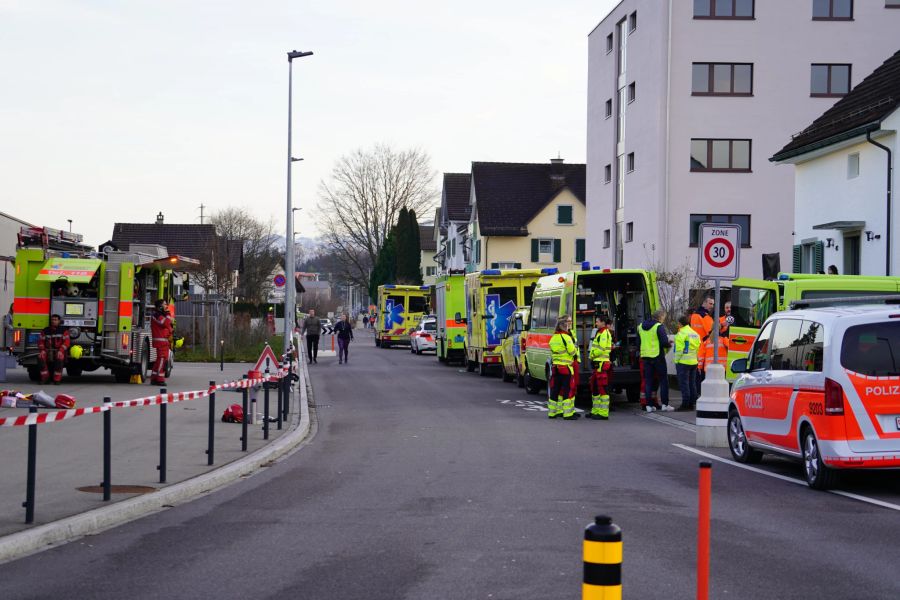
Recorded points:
(201, 213)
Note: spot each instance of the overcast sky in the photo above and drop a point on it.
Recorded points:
(112, 111)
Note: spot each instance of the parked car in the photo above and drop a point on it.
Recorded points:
(821, 385)
(422, 338)
(512, 346)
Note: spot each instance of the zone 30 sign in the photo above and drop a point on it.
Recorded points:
(720, 251)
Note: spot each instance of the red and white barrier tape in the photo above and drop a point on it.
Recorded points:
(51, 417)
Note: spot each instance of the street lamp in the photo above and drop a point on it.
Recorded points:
(290, 310)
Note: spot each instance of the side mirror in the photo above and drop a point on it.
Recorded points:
(739, 365)
(520, 323)
(459, 319)
(503, 335)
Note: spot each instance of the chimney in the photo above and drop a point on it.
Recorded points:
(556, 171)
(159, 218)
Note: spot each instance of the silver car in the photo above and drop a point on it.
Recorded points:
(422, 338)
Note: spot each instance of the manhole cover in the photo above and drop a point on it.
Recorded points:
(118, 489)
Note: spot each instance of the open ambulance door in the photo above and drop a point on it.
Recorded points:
(751, 305)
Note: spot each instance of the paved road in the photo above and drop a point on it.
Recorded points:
(422, 483)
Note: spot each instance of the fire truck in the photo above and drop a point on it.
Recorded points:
(105, 299)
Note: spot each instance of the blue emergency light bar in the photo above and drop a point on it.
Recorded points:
(389, 286)
(586, 266)
(425, 287)
(491, 272)
(550, 271)
(784, 277)
(597, 268)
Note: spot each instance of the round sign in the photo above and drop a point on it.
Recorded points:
(279, 280)
(719, 252)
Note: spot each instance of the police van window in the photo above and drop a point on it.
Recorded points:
(417, 304)
(750, 307)
(553, 311)
(811, 346)
(872, 349)
(784, 345)
(539, 312)
(762, 349)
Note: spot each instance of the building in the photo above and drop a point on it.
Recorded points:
(686, 102)
(428, 248)
(9, 231)
(453, 223)
(845, 169)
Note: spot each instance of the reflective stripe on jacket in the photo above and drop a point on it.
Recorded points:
(702, 324)
(687, 345)
(564, 349)
(601, 346)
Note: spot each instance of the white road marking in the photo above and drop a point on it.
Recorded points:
(668, 421)
(850, 495)
(531, 405)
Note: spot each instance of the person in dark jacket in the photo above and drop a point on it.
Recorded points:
(312, 329)
(344, 332)
(653, 341)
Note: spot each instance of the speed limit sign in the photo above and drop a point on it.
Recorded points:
(720, 251)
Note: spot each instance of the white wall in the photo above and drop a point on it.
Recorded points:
(9, 228)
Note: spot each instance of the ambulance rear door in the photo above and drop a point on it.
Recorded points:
(751, 304)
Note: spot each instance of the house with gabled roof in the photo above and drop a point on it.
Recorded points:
(453, 223)
(844, 177)
(427, 249)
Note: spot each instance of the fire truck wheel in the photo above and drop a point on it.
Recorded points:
(145, 360)
(122, 375)
(34, 374)
(74, 370)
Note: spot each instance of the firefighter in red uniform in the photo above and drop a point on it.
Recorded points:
(161, 327)
(53, 345)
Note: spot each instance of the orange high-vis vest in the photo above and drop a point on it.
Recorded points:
(706, 353)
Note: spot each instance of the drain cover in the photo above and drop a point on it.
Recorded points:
(118, 489)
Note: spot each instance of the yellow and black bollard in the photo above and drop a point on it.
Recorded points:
(602, 560)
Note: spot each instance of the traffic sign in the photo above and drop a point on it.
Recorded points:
(279, 280)
(261, 364)
(719, 251)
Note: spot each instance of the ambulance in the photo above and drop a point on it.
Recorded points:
(492, 296)
(821, 385)
(753, 300)
(627, 296)
(105, 300)
(450, 298)
(400, 307)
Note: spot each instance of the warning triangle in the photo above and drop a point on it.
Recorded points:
(261, 363)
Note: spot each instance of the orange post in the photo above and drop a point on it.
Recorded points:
(703, 531)
(332, 342)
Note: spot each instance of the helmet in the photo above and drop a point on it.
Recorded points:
(179, 342)
(76, 351)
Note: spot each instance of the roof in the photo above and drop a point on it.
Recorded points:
(185, 239)
(864, 108)
(510, 195)
(426, 238)
(456, 196)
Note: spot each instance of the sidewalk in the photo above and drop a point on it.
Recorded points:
(69, 453)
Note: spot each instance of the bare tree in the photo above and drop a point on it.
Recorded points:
(361, 202)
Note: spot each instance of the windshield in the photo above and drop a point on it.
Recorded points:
(750, 307)
(872, 349)
(429, 326)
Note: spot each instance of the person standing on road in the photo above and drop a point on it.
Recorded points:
(687, 345)
(161, 329)
(312, 329)
(344, 332)
(653, 341)
(365, 321)
(564, 376)
(702, 323)
(601, 348)
(53, 346)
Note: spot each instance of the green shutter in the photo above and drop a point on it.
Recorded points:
(478, 252)
(798, 258)
(579, 250)
(820, 258)
(518, 265)
(564, 215)
(535, 247)
(557, 250)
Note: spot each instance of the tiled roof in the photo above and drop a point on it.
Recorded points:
(510, 195)
(867, 104)
(426, 238)
(456, 196)
(189, 240)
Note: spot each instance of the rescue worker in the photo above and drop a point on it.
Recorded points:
(687, 345)
(53, 346)
(601, 347)
(707, 353)
(653, 341)
(564, 376)
(702, 323)
(161, 327)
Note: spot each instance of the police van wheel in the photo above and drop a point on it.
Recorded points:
(737, 441)
(73, 370)
(818, 475)
(483, 369)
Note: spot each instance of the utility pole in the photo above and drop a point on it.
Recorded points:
(201, 213)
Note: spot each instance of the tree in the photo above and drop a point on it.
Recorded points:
(261, 254)
(360, 204)
(409, 254)
(385, 268)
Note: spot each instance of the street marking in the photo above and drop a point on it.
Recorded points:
(668, 421)
(531, 405)
(850, 495)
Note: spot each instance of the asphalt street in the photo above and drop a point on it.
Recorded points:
(423, 481)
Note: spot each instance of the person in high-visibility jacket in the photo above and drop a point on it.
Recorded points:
(161, 327)
(53, 345)
(707, 353)
(564, 376)
(653, 340)
(601, 347)
(687, 346)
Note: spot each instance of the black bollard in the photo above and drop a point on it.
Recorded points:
(107, 450)
(211, 438)
(602, 560)
(280, 404)
(162, 438)
(221, 356)
(32, 466)
(266, 405)
(246, 417)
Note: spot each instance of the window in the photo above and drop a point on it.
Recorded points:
(720, 155)
(759, 358)
(829, 80)
(872, 349)
(783, 356)
(723, 9)
(545, 247)
(742, 220)
(606, 236)
(453, 247)
(631, 92)
(539, 313)
(546, 250)
(832, 10)
(630, 162)
(607, 173)
(750, 307)
(552, 311)
(609, 108)
(892, 3)
(609, 43)
(418, 304)
(430, 271)
(853, 165)
(629, 231)
(632, 22)
(478, 252)
(564, 214)
(722, 79)
(506, 265)
(810, 347)
(579, 250)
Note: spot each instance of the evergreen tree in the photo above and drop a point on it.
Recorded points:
(415, 267)
(384, 270)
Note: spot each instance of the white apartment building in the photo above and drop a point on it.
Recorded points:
(688, 99)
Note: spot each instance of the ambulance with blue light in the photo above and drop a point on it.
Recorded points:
(492, 296)
(400, 308)
(450, 337)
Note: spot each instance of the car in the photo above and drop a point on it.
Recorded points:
(512, 346)
(821, 385)
(422, 338)
(326, 322)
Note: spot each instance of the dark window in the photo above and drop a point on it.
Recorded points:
(606, 236)
(750, 307)
(892, 3)
(552, 311)
(609, 108)
(872, 349)
(811, 346)
(630, 161)
(632, 22)
(539, 313)
(607, 173)
(397, 300)
(831, 10)
(417, 304)
(478, 251)
(784, 345)
(762, 348)
(829, 80)
(609, 43)
(722, 79)
(723, 9)
(742, 220)
(579, 250)
(629, 231)
(564, 215)
(720, 155)
(631, 92)
(429, 326)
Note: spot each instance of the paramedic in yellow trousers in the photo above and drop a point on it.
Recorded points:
(601, 347)
(564, 377)
(687, 345)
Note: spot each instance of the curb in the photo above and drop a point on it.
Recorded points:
(42, 537)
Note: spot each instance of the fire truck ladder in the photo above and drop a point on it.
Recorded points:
(111, 308)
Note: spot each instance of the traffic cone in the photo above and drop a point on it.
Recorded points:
(136, 378)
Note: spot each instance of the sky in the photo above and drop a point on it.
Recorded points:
(115, 111)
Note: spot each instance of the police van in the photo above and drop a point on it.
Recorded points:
(400, 308)
(821, 385)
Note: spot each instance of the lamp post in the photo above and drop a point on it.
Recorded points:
(289, 293)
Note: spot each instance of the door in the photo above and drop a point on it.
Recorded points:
(750, 307)
(851, 254)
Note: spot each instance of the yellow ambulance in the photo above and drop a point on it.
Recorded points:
(400, 307)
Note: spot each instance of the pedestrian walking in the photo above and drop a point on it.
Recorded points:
(344, 332)
(312, 329)
(601, 348)
(653, 341)
(564, 375)
(687, 345)
(365, 321)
